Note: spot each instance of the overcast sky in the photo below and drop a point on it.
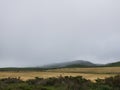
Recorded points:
(40, 32)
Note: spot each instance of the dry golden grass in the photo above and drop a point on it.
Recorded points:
(31, 75)
(97, 70)
(88, 73)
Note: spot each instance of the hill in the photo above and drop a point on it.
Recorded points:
(115, 64)
(81, 63)
(77, 63)
(70, 64)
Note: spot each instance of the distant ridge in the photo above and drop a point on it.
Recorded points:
(69, 64)
(114, 64)
(77, 63)
(81, 63)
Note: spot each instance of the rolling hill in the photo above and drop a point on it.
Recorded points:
(69, 64)
(80, 63)
(77, 63)
(114, 64)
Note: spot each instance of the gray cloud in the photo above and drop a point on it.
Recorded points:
(39, 32)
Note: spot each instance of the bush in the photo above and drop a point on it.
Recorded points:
(60, 83)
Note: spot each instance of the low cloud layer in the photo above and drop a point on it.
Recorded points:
(39, 32)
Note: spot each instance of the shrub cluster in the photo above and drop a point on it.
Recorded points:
(60, 83)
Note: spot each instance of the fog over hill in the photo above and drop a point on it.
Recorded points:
(64, 64)
(80, 63)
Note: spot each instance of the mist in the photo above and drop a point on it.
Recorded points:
(40, 32)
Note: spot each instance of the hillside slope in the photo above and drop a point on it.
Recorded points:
(115, 64)
(77, 63)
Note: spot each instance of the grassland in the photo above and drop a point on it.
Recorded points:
(31, 75)
(88, 73)
(94, 70)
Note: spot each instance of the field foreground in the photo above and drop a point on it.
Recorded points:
(32, 75)
(88, 73)
(60, 83)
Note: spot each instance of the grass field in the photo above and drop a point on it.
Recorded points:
(88, 73)
(94, 70)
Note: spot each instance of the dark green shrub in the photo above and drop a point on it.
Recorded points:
(11, 80)
(60, 83)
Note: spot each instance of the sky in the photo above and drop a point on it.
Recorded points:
(41, 32)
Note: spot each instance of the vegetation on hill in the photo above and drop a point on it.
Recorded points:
(76, 65)
(80, 64)
(22, 69)
(115, 64)
(61, 83)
